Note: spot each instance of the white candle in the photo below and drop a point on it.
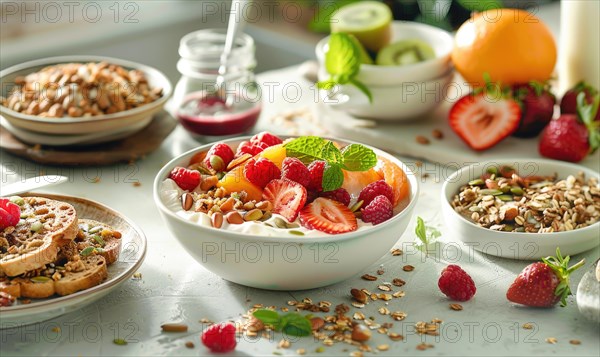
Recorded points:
(579, 48)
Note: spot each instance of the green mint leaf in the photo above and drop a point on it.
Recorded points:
(307, 148)
(333, 177)
(342, 60)
(358, 157)
(363, 88)
(421, 231)
(294, 324)
(331, 153)
(268, 317)
(327, 84)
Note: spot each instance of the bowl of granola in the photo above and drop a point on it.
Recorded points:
(290, 214)
(524, 209)
(74, 95)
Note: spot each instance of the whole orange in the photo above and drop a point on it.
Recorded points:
(512, 46)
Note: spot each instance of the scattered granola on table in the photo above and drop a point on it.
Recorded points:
(502, 200)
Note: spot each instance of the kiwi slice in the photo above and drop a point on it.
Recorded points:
(405, 52)
(369, 21)
(365, 58)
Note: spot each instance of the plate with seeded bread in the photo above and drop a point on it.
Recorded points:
(60, 253)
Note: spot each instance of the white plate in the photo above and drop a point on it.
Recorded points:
(74, 140)
(133, 251)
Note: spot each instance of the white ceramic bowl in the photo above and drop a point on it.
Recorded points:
(441, 41)
(75, 126)
(523, 246)
(283, 263)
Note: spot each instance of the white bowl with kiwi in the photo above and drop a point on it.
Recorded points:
(400, 62)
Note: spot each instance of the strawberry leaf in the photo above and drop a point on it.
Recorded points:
(561, 268)
(587, 114)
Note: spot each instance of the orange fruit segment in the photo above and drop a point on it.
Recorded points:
(355, 181)
(395, 177)
(511, 45)
(275, 153)
(235, 181)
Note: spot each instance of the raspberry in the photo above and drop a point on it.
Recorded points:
(316, 169)
(219, 337)
(294, 170)
(184, 178)
(340, 195)
(311, 196)
(221, 150)
(266, 138)
(379, 210)
(247, 147)
(456, 283)
(375, 189)
(260, 172)
(10, 213)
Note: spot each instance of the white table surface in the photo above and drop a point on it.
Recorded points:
(174, 288)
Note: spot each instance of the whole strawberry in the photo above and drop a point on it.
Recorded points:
(537, 108)
(570, 137)
(220, 338)
(456, 284)
(543, 284)
(568, 103)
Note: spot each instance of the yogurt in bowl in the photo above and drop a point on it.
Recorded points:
(255, 216)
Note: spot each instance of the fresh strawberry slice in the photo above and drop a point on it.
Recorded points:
(482, 121)
(328, 216)
(288, 197)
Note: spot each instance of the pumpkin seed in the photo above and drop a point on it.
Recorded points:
(95, 229)
(506, 198)
(490, 192)
(24, 215)
(89, 250)
(297, 233)
(40, 279)
(98, 239)
(508, 228)
(476, 182)
(267, 215)
(17, 200)
(292, 225)
(355, 207)
(280, 223)
(119, 341)
(36, 226)
(253, 215)
(505, 189)
(517, 191)
(492, 170)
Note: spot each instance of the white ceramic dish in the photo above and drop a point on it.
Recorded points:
(283, 263)
(32, 137)
(523, 246)
(97, 124)
(133, 251)
(440, 40)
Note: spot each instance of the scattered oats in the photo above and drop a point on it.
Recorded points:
(320, 349)
(551, 340)
(575, 342)
(307, 300)
(374, 296)
(357, 304)
(358, 316)
(398, 315)
(285, 309)
(284, 344)
(395, 336)
(436, 321)
(292, 303)
(369, 277)
(328, 342)
(456, 307)
(189, 344)
(137, 276)
(206, 321)
(421, 140)
(396, 252)
(56, 329)
(380, 271)
(96, 179)
(258, 306)
(437, 133)
(398, 294)
(383, 347)
(419, 163)
(382, 330)
(300, 351)
(424, 346)
(356, 354)
(528, 326)
(408, 268)
(398, 282)
(137, 184)
(384, 288)
(385, 297)
(384, 311)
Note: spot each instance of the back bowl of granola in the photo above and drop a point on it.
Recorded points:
(73, 95)
(524, 209)
(280, 234)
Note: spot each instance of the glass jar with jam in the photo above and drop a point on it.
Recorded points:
(197, 105)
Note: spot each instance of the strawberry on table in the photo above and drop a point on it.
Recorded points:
(293, 169)
(568, 103)
(537, 108)
(572, 137)
(482, 121)
(328, 216)
(184, 178)
(288, 197)
(543, 284)
(261, 171)
(10, 213)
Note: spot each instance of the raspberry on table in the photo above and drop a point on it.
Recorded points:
(219, 337)
(340, 195)
(221, 150)
(375, 189)
(260, 172)
(456, 283)
(379, 210)
(186, 179)
(316, 169)
(293, 169)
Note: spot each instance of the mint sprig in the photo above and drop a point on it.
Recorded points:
(354, 157)
(427, 235)
(342, 62)
(292, 324)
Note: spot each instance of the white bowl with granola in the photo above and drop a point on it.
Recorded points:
(73, 95)
(524, 208)
(273, 235)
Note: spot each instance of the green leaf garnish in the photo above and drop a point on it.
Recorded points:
(426, 234)
(354, 157)
(291, 323)
(342, 62)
